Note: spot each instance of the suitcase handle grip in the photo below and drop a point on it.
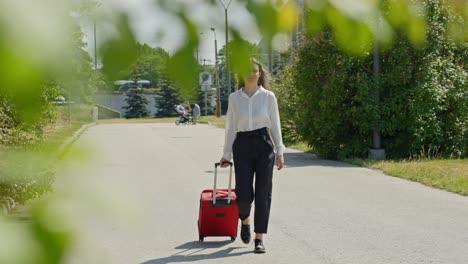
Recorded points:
(216, 177)
(217, 164)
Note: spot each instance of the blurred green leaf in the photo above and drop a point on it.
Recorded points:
(16, 245)
(183, 65)
(266, 16)
(120, 52)
(458, 32)
(416, 31)
(52, 229)
(353, 36)
(288, 16)
(409, 16)
(398, 13)
(22, 81)
(182, 68)
(457, 28)
(240, 62)
(315, 21)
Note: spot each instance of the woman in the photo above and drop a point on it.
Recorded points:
(251, 117)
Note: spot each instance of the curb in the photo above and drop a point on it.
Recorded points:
(62, 149)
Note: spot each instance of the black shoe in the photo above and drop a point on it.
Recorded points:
(245, 233)
(259, 247)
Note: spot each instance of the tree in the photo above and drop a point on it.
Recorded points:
(167, 97)
(137, 102)
(150, 64)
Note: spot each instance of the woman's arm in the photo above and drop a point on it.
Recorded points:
(276, 131)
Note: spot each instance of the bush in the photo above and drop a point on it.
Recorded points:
(288, 102)
(24, 175)
(26, 164)
(136, 104)
(423, 97)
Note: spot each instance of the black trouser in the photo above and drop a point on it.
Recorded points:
(253, 154)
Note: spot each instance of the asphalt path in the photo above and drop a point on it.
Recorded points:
(135, 189)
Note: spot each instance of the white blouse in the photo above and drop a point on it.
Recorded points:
(249, 113)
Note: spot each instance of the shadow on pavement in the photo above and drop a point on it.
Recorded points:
(192, 250)
(302, 159)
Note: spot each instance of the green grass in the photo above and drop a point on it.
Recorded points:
(137, 120)
(213, 120)
(447, 174)
(68, 121)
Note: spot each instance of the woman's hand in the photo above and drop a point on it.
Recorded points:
(279, 162)
(224, 163)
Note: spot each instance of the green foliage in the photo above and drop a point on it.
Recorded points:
(356, 26)
(27, 158)
(150, 64)
(182, 65)
(426, 102)
(136, 104)
(120, 52)
(423, 96)
(168, 97)
(333, 106)
(288, 101)
(23, 176)
(84, 81)
(16, 131)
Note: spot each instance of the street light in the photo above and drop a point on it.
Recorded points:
(226, 52)
(198, 61)
(94, 26)
(218, 101)
(95, 49)
(377, 152)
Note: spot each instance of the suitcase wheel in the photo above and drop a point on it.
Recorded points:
(233, 238)
(200, 238)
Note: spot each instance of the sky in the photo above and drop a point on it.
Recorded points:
(156, 27)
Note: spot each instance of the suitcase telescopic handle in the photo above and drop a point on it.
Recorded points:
(216, 177)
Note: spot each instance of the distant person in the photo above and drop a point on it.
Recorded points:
(195, 113)
(181, 110)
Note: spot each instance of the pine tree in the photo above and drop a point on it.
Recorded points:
(168, 97)
(137, 102)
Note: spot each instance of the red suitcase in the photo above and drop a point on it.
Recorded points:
(218, 215)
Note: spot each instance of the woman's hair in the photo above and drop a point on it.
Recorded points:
(262, 80)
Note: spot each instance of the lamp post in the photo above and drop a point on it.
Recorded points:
(218, 101)
(376, 152)
(226, 53)
(97, 5)
(198, 61)
(95, 49)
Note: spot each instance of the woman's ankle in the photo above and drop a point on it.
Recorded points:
(246, 221)
(259, 236)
